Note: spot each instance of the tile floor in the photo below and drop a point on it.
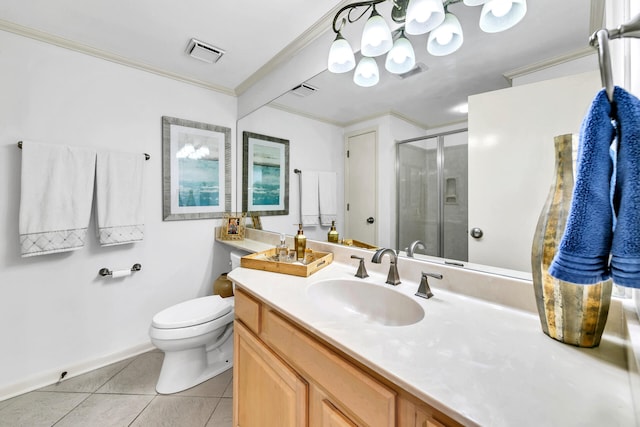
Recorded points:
(122, 394)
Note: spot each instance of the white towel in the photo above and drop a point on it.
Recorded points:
(327, 190)
(309, 202)
(56, 192)
(119, 194)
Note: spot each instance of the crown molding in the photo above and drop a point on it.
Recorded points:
(290, 110)
(552, 62)
(316, 30)
(108, 56)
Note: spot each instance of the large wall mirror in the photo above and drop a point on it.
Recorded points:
(542, 47)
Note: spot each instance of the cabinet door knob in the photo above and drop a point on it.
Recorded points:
(370, 220)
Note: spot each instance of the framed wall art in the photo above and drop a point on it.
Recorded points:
(196, 169)
(265, 175)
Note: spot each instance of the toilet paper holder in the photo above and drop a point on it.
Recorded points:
(106, 272)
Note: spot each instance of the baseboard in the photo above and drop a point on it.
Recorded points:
(49, 377)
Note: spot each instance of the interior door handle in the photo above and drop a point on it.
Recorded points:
(476, 233)
(370, 220)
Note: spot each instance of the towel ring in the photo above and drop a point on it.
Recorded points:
(604, 59)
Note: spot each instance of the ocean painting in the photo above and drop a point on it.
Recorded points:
(198, 158)
(198, 182)
(265, 175)
(196, 170)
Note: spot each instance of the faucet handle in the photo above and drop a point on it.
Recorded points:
(362, 271)
(424, 291)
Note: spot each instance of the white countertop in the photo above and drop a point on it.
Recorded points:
(478, 362)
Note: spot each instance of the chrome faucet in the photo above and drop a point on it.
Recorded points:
(392, 278)
(362, 271)
(413, 246)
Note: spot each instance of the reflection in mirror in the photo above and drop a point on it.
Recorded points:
(265, 175)
(422, 106)
(432, 201)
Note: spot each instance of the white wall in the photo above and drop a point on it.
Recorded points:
(313, 146)
(56, 313)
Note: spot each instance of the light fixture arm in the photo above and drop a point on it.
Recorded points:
(350, 8)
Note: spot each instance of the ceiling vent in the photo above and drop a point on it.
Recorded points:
(303, 90)
(204, 52)
(419, 68)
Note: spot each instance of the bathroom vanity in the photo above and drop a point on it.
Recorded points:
(303, 356)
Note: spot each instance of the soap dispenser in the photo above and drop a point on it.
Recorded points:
(332, 236)
(301, 243)
(283, 249)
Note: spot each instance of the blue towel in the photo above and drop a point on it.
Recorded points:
(583, 254)
(604, 219)
(625, 248)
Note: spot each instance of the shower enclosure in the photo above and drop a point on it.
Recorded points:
(432, 202)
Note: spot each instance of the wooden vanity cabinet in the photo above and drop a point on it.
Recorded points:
(285, 377)
(265, 388)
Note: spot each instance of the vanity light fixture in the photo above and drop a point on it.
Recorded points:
(414, 17)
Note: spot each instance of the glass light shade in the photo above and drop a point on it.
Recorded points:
(474, 2)
(401, 58)
(447, 38)
(376, 36)
(423, 16)
(341, 58)
(500, 15)
(366, 74)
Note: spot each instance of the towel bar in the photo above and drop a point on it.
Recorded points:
(146, 156)
(299, 173)
(106, 272)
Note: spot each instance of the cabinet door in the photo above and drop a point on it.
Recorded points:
(324, 413)
(366, 400)
(266, 392)
(424, 419)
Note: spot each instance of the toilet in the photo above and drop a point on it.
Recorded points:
(196, 337)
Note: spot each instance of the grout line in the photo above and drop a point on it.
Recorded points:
(72, 409)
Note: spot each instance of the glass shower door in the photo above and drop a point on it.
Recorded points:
(432, 195)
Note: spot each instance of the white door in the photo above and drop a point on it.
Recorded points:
(511, 161)
(361, 188)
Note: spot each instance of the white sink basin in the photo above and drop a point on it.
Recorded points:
(364, 301)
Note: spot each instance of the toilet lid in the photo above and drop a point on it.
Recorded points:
(192, 312)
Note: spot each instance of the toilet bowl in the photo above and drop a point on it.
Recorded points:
(196, 337)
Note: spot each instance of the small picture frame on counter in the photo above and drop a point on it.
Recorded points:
(233, 226)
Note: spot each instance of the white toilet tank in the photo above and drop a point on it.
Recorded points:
(235, 258)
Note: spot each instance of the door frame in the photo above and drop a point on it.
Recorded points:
(347, 177)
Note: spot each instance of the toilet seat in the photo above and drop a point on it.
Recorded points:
(191, 313)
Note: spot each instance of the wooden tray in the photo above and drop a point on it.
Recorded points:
(358, 244)
(265, 261)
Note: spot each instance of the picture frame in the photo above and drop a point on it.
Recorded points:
(196, 169)
(265, 175)
(233, 226)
